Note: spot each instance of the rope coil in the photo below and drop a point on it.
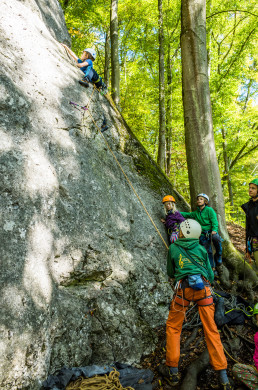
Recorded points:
(99, 382)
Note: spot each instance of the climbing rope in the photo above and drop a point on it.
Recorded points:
(231, 357)
(128, 180)
(99, 382)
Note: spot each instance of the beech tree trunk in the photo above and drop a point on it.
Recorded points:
(107, 58)
(169, 112)
(162, 111)
(203, 169)
(115, 72)
(226, 171)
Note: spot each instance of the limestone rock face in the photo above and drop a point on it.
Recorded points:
(83, 271)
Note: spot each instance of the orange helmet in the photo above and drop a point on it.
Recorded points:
(168, 198)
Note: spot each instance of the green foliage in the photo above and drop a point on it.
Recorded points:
(231, 31)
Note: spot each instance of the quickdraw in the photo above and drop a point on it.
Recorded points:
(78, 105)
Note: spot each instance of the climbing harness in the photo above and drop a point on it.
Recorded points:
(99, 382)
(101, 130)
(180, 300)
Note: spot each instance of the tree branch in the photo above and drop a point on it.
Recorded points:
(231, 10)
(236, 57)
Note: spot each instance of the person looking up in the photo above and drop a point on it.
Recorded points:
(207, 218)
(189, 265)
(251, 211)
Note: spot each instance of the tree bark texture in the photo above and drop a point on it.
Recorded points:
(169, 112)
(194, 369)
(115, 78)
(107, 58)
(226, 171)
(203, 170)
(162, 111)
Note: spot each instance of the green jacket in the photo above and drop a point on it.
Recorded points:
(207, 218)
(179, 264)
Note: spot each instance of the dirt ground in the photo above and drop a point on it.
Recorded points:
(208, 378)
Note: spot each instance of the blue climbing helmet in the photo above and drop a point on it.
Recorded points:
(204, 196)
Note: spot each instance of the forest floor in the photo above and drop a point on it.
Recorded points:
(208, 378)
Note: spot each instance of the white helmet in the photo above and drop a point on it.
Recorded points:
(191, 228)
(92, 52)
(204, 196)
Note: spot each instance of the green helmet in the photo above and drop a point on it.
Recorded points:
(254, 181)
(255, 310)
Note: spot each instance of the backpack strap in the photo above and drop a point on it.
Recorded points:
(191, 258)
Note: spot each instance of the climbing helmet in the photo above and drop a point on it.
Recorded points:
(254, 181)
(191, 228)
(91, 51)
(168, 198)
(204, 196)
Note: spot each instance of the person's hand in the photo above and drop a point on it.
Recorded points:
(162, 220)
(248, 257)
(213, 232)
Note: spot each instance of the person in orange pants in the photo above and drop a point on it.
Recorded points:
(189, 264)
(175, 320)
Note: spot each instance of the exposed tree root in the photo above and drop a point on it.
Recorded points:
(190, 380)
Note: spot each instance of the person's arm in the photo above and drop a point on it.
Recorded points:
(190, 214)
(72, 54)
(170, 264)
(247, 254)
(179, 217)
(214, 221)
(82, 64)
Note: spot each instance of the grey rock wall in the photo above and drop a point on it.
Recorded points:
(83, 271)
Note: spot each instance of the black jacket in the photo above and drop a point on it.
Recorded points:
(251, 210)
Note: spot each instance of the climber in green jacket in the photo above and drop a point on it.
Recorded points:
(189, 265)
(207, 218)
(178, 264)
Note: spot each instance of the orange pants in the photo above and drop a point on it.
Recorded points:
(174, 327)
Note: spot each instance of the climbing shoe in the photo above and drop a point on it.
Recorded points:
(171, 379)
(84, 83)
(103, 88)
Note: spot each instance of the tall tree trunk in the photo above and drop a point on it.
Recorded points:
(203, 170)
(107, 58)
(115, 77)
(162, 111)
(169, 112)
(226, 172)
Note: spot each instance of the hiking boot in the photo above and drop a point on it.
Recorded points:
(84, 83)
(171, 378)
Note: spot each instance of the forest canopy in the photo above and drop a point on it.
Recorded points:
(232, 63)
